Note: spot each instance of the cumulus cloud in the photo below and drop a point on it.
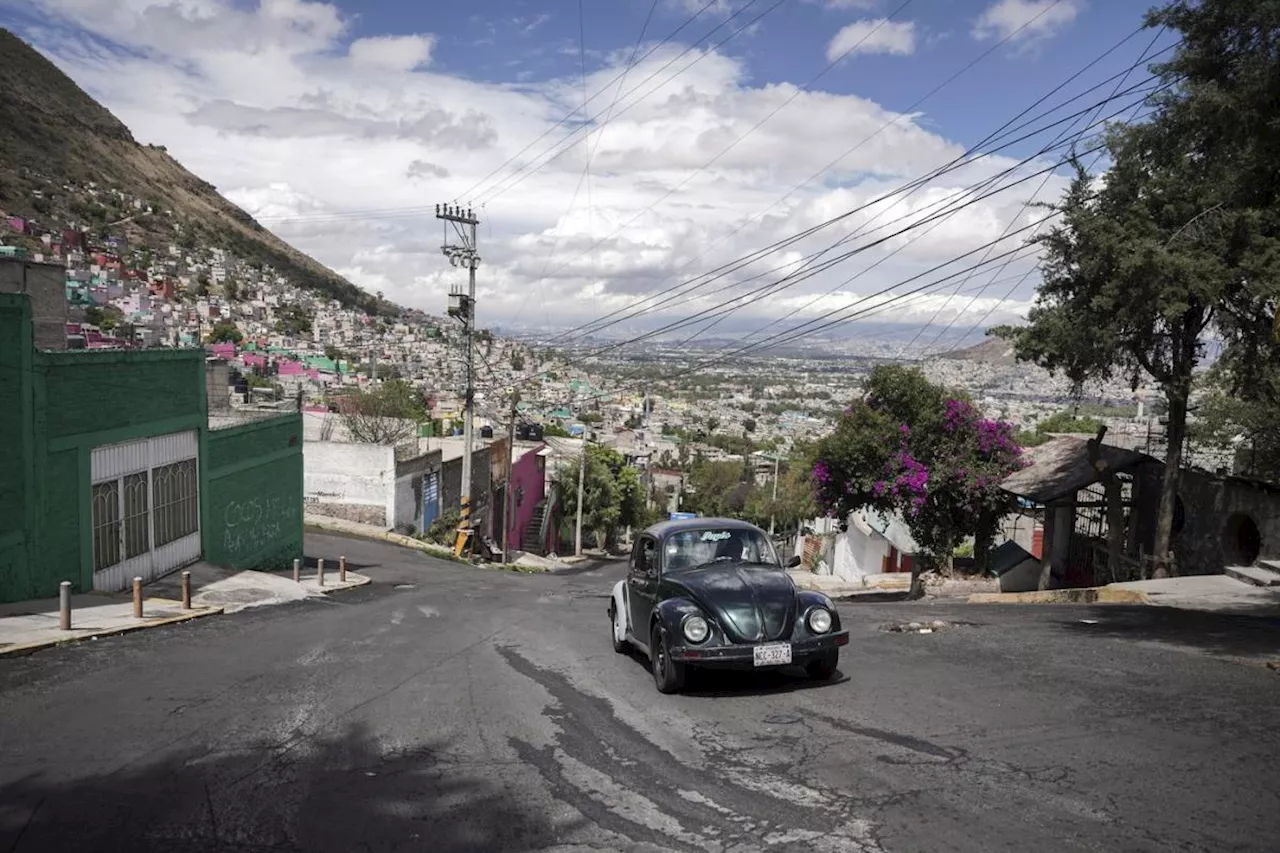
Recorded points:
(1041, 18)
(393, 53)
(346, 159)
(873, 36)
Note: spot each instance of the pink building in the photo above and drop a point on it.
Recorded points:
(528, 479)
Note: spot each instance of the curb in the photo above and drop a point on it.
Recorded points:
(315, 524)
(1087, 595)
(29, 648)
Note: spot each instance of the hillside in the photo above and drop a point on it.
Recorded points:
(55, 140)
(995, 351)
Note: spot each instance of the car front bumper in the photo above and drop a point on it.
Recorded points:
(743, 655)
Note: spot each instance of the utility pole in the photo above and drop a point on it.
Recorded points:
(582, 471)
(509, 494)
(775, 493)
(462, 253)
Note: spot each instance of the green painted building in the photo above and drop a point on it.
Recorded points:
(110, 469)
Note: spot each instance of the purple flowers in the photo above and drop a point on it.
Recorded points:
(821, 473)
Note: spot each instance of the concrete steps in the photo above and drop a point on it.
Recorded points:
(1262, 575)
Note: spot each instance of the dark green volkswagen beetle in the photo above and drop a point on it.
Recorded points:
(711, 592)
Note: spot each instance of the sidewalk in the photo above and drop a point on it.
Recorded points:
(30, 625)
(27, 626)
(890, 586)
(520, 559)
(1209, 593)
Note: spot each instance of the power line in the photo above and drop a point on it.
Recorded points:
(992, 309)
(966, 158)
(1020, 211)
(801, 275)
(622, 78)
(516, 178)
(864, 141)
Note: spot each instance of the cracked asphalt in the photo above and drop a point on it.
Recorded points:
(445, 708)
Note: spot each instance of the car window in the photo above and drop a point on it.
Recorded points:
(692, 548)
(646, 554)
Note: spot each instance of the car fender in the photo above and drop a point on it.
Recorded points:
(670, 613)
(618, 603)
(807, 598)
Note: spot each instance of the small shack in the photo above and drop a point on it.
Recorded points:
(1098, 503)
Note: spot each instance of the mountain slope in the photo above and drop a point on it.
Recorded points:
(995, 351)
(54, 135)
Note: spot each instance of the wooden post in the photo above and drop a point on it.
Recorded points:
(186, 590)
(342, 569)
(320, 571)
(64, 605)
(297, 571)
(137, 598)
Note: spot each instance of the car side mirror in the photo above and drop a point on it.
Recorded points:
(793, 562)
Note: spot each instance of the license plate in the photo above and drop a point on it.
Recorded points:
(773, 654)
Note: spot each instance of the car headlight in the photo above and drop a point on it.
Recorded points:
(696, 629)
(819, 620)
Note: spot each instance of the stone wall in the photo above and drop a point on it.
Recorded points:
(1224, 521)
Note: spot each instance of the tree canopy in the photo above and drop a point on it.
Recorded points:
(909, 446)
(1181, 240)
(387, 414)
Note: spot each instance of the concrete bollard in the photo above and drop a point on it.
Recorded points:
(64, 605)
(320, 571)
(137, 598)
(297, 571)
(186, 590)
(342, 570)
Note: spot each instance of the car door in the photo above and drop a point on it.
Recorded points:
(642, 586)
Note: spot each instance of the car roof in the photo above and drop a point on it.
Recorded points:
(663, 529)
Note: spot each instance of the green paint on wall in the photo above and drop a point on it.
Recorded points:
(16, 476)
(252, 487)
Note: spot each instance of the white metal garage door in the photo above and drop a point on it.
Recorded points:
(146, 508)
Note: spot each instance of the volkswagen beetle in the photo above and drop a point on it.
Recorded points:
(711, 592)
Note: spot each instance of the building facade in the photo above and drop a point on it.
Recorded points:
(111, 471)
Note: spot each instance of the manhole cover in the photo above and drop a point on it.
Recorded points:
(782, 719)
(925, 627)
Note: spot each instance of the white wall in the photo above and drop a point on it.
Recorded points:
(405, 505)
(859, 551)
(361, 476)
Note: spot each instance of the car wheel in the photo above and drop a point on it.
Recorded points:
(668, 674)
(824, 667)
(619, 630)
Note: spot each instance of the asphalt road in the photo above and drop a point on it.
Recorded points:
(445, 708)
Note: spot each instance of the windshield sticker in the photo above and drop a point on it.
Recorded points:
(715, 535)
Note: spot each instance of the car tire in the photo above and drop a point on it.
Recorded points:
(823, 668)
(668, 675)
(619, 646)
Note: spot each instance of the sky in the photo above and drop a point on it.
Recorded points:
(711, 131)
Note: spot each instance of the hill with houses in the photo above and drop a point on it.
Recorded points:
(72, 173)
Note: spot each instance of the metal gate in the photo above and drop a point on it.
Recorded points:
(430, 499)
(145, 508)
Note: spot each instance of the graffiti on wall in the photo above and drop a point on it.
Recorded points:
(256, 523)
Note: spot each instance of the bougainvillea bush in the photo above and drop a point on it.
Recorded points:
(911, 447)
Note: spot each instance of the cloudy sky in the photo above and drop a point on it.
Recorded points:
(712, 129)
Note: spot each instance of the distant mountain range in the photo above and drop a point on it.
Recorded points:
(55, 140)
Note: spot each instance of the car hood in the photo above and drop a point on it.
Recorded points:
(750, 602)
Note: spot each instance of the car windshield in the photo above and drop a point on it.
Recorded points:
(691, 548)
